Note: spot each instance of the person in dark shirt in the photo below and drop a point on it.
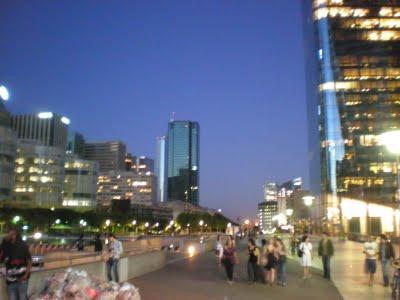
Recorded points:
(98, 245)
(15, 254)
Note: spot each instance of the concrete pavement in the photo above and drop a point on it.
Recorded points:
(199, 278)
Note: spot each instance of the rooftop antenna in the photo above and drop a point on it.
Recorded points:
(172, 117)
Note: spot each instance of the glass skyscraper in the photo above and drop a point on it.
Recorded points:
(183, 161)
(353, 95)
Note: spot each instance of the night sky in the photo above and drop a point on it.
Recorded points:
(118, 69)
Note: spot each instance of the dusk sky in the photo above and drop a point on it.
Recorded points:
(118, 69)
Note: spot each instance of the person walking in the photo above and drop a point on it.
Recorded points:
(254, 261)
(282, 256)
(305, 253)
(229, 259)
(325, 251)
(385, 255)
(219, 249)
(115, 250)
(15, 254)
(371, 252)
(98, 245)
(272, 259)
(80, 244)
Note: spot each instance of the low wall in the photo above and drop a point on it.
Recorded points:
(129, 267)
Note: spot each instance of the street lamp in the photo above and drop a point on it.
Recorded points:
(4, 94)
(308, 201)
(201, 223)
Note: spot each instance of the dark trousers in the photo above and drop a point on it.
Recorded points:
(326, 262)
(281, 276)
(112, 269)
(252, 271)
(17, 290)
(228, 268)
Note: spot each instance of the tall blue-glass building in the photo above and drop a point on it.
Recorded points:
(183, 161)
(353, 94)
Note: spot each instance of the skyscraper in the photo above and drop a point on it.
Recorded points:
(76, 143)
(110, 155)
(353, 95)
(183, 161)
(161, 168)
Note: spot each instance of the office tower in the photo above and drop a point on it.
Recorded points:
(139, 164)
(80, 183)
(126, 185)
(353, 96)
(285, 190)
(75, 143)
(183, 161)
(45, 128)
(8, 146)
(270, 191)
(161, 169)
(110, 155)
(267, 210)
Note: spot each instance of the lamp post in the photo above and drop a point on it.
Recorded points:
(308, 201)
(391, 140)
(201, 223)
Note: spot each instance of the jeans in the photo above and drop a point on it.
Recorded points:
(326, 262)
(112, 267)
(252, 271)
(385, 271)
(281, 276)
(17, 290)
(228, 268)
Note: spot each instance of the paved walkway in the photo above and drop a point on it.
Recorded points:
(198, 278)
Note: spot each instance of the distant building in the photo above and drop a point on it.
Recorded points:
(8, 147)
(126, 185)
(183, 161)
(284, 191)
(110, 155)
(267, 210)
(270, 191)
(76, 144)
(139, 164)
(161, 169)
(44, 128)
(80, 183)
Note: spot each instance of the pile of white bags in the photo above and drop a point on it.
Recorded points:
(78, 285)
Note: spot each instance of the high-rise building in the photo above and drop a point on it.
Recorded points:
(267, 210)
(139, 164)
(183, 161)
(161, 169)
(80, 183)
(110, 155)
(8, 146)
(353, 95)
(126, 185)
(45, 128)
(270, 191)
(76, 143)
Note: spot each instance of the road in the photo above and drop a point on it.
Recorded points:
(199, 278)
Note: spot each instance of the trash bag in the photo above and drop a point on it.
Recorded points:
(72, 284)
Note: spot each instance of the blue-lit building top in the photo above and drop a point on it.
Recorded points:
(353, 95)
(183, 161)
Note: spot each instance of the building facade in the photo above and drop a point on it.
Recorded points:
(267, 210)
(76, 144)
(110, 155)
(353, 96)
(183, 161)
(139, 164)
(270, 191)
(161, 169)
(80, 183)
(126, 185)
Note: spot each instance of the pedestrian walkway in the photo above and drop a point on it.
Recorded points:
(348, 273)
(199, 278)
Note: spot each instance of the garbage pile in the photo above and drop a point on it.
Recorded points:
(74, 284)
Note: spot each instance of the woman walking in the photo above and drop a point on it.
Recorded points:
(254, 261)
(229, 259)
(271, 262)
(219, 248)
(281, 262)
(305, 249)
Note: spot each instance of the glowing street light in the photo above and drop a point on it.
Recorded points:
(16, 219)
(58, 221)
(134, 222)
(4, 94)
(146, 224)
(308, 201)
(247, 222)
(220, 210)
(108, 222)
(37, 235)
(201, 222)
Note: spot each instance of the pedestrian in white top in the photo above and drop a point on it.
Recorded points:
(219, 249)
(371, 252)
(115, 250)
(305, 252)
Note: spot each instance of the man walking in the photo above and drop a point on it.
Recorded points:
(15, 254)
(325, 251)
(115, 250)
(370, 251)
(385, 255)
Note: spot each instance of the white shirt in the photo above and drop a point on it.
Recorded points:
(306, 248)
(370, 249)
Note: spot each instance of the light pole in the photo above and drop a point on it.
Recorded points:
(308, 201)
(201, 223)
(391, 140)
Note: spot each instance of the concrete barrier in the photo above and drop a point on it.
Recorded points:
(129, 267)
